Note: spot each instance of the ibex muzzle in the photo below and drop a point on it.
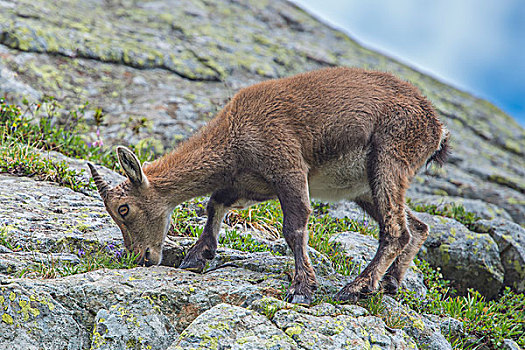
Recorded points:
(337, 133)
(135, 208)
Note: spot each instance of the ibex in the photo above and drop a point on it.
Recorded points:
(331, 134)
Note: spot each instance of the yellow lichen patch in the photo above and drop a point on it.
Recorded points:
(417, 323)
(443, 249)
(35, 312)
(294, 330)
(221, 326)
(26, 310)
(7, 319)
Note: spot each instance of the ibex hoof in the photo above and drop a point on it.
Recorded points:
(301, 296)
(353, 292)
(299, 299)
(390, 284)
(192, 264)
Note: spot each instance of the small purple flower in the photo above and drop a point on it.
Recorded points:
(81, 252)
(98, 142)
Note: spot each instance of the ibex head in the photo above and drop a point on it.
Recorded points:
(137, 208)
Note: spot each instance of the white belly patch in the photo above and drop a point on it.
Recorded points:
(341, 178)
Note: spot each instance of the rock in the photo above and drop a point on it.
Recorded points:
(350, 210)
(135, 324)
(329, 282)
(15, 262)
(147, 306)
(269, 306)
(46, 217)
(469, 259)
(338, 331)
(177, 65)
(34, 320)
(180, 68)
(426, 332)
(510, 239)
(478, 207)
(181, 295)
(81, 167)
(509, 344)
(9, 84)
(232, 327)
(450, 327)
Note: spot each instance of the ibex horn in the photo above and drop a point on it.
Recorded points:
(102, 185)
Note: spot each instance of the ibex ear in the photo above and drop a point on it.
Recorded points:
(131, 165)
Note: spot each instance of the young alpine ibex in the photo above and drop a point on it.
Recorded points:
(332, 134)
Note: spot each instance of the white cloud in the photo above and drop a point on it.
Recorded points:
(462, 42)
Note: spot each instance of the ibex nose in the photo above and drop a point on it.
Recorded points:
(147, 261)
(149, 257)
(143, 257)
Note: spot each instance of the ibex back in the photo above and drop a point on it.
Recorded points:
(332, 134)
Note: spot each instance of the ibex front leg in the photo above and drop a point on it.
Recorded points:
(205, 247)
(295, 203)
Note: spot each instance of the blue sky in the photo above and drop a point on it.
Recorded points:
(476, 45)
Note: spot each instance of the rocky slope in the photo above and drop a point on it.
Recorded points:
(160, 69)
(176, 62)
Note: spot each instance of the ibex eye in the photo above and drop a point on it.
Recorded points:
(123, 210)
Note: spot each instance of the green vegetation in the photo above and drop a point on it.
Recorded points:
(6, 239)
(267, 217)
(453, 211)
(46, 127)
(37, 125)
(486, 323)
(322, 227)
(23, 160)
(232, 239)
(183, 218)
(490, 322)
(92, 258)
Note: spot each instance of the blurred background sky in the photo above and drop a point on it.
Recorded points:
(476, 45)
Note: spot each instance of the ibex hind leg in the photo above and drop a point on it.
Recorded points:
(388, 184)
(418, 234)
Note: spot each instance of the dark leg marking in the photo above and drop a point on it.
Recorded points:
(205, 247)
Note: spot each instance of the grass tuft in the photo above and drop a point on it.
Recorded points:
(25, 129)
(107, 257)
(486, 323)
(453, 211)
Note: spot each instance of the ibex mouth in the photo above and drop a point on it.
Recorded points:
(144, 259)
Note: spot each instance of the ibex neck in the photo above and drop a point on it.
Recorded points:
(196, 168)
